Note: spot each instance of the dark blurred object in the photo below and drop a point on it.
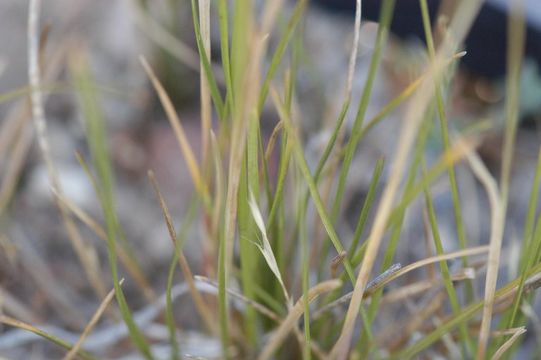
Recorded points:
(486, 43)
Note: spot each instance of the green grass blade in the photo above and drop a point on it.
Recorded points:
(96, 136)
(207, 68)
(303, 166)
(368, 202)
(247, 231)
(284, 41)
(356, 131)
(223, 17)
(532, 205)
(169, 317)
(461, 234)
(466, 340)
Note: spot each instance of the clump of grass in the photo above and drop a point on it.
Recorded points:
(279, 269)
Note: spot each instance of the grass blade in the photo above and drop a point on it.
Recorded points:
(462, 21)
(265, 247)
(55, 340)
(200, 304)
(182, 139)
(97, 142)
(91, 324)
(292, 317)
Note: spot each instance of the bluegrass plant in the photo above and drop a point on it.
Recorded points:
(257, 225)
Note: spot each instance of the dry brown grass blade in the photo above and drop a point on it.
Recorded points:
(198, 300)
(85, 251)
(506, 345)
(496, 236)
(133, 269)
(293, 316)
(180, 134)
(413, 116)
(91, 324)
